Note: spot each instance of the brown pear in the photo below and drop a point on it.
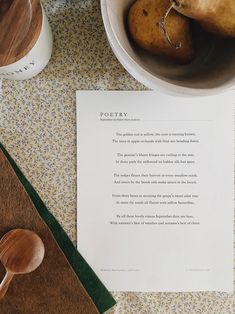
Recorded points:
(216, 16)
(169, 36)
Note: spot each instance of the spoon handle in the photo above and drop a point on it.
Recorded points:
(5, 284)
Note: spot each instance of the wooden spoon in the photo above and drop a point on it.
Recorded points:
(21, 252)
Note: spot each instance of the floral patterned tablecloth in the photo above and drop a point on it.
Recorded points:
(38, 127)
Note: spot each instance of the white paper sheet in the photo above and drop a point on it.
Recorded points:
(155, 190)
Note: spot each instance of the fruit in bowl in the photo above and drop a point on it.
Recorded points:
(145, 23)
(211, 69)
(216, 16)
(158, 27)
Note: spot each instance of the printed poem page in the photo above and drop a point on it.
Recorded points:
(155, 190)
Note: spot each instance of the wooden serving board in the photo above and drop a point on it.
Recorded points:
(64, 283)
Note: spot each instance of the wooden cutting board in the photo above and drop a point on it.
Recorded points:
(64, 283)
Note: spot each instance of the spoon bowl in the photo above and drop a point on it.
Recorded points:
(21, 252)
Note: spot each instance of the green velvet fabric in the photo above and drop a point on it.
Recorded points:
(97, 291)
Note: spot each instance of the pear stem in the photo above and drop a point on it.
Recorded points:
(163, 29)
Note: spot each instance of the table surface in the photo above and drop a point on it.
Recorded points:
(38, 127)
